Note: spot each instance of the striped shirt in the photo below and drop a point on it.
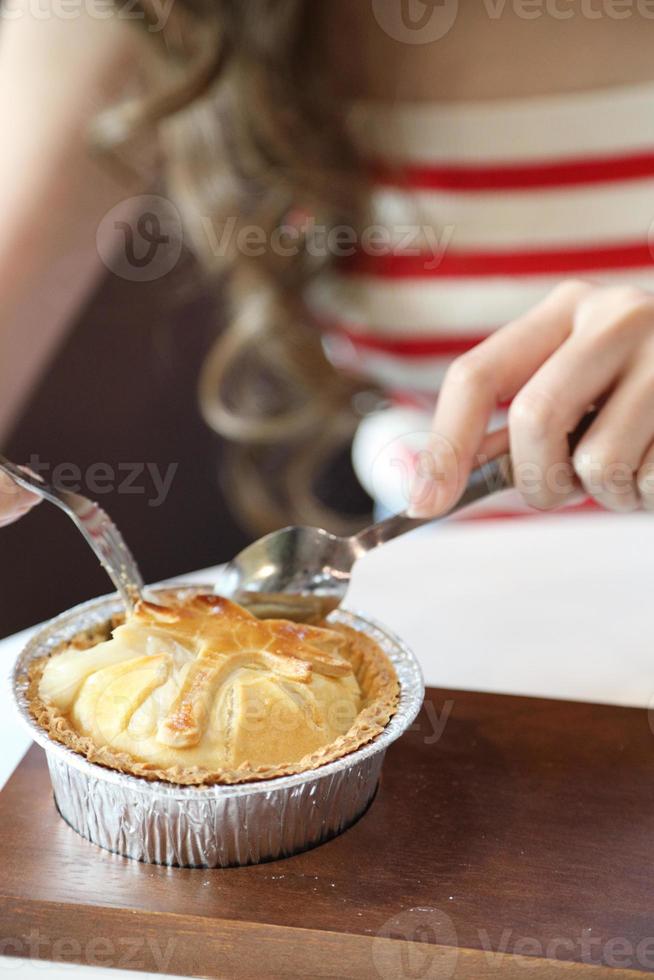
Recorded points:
(477, 211)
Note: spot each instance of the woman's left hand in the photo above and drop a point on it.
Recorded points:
(584, 346)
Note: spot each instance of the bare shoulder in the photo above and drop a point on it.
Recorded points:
(84, 39)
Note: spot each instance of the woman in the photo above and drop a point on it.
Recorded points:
(505, 153)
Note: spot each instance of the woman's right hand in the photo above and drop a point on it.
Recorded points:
(14, 501)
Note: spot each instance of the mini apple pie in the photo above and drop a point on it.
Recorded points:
(201, 691)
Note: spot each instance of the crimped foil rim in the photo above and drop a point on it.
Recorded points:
(98, 610)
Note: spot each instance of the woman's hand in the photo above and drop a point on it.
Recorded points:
(584, 346)
(14, 501)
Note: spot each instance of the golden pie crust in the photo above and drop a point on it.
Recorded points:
(225, 636)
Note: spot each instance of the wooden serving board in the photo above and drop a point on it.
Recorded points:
(509, 835)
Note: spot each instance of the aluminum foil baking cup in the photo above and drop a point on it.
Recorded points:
(212, 826)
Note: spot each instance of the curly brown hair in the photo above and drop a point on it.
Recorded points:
(250, 133)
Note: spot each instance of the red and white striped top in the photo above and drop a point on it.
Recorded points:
(478, 210)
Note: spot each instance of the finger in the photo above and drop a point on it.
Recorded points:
(551, 404)
(609, 456)
(14, 500)
(477, 382)
(645, 479)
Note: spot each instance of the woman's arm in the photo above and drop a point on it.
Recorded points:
(55, 76)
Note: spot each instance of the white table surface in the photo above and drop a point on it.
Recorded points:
(556, 606)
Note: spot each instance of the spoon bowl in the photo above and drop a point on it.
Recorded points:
(297, 560)
(314, 567)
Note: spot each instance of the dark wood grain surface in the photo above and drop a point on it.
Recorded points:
(509, 835)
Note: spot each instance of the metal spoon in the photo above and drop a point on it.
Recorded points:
(98, 529)
(304, 572)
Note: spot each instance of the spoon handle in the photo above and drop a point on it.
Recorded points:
(94, 524)
(489, 478)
